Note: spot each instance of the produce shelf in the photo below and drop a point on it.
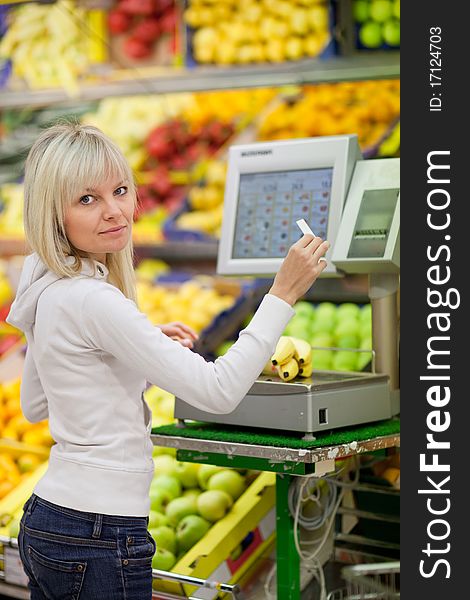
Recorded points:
(376, 65)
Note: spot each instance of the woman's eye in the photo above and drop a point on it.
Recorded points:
(120, 191)
(86, 199)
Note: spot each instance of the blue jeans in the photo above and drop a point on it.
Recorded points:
(69, 554)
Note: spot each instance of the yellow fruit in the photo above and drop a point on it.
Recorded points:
(28, 462)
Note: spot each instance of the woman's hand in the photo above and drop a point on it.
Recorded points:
(300, 268)
(180, 332)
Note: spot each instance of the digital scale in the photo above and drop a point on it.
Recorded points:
(353, 203)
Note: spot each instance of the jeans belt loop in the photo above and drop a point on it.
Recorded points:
(32, 504)
(98, 525)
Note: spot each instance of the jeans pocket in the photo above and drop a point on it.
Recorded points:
(58, 579)
(140, 546)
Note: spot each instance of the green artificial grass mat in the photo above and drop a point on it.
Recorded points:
(247, 435)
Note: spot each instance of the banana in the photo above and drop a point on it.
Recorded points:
(306, 369)
(288, 370)
(284, 350)
(303, 350)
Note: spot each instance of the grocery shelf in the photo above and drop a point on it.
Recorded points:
(164, 250)
(366, 65)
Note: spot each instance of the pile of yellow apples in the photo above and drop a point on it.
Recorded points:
(193, 302)
(206, 201)
(255, 31)
(13, 470)
(13, 424)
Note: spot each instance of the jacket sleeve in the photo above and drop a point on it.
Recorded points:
(113, 324)
(32, 397)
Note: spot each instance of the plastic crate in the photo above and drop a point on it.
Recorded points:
(251, 522)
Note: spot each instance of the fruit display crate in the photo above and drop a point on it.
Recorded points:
(246, 532)
(246, 294)
(254, 33)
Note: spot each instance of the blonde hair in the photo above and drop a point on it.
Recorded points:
(67, 158)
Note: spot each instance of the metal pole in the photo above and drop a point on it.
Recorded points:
(383, 290)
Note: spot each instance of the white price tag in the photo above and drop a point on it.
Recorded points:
(14, 572)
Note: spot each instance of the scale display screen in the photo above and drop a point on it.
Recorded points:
(269, 204)
(373, 223)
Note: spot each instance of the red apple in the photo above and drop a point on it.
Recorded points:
(118, 22)
(147, 30)
(135, 48)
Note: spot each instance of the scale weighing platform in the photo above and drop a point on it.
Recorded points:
(353, 203)
(324, 401)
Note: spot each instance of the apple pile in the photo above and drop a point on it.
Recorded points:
(340, 326)
(206, 200)
(252, 31)
(378, 23)
(193, 303)
(144, 22)
(186, 499)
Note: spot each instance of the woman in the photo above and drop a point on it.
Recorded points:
(90, 353)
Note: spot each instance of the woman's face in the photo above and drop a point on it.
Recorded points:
(99, 220)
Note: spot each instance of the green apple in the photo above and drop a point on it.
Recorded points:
(370, 35)
(171, 483)
(156, 519)
(326, 310)
(380, 10)
(205, 473)
(163, 559)
(228, 481)
(348, 310)
(396, 9)
(213, 504)
(179, 508)
(361, 10)
(365, 313)
(344, 361)
(391, 33)
(159, 499)
(165, 537)
(366, 329)
(347, 341)
(322, 340)
(347, 326)
(187, 474)
(159, 450)
(322, 324)
(165, 464)
(322, 359)
(190, 530)
(366, 343)
(192, 493)
(301, 328)
(304, 308)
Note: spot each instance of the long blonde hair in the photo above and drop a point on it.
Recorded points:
(65, 158)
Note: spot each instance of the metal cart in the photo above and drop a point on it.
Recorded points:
(379, 581)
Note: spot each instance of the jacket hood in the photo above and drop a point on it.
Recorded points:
(35, 278)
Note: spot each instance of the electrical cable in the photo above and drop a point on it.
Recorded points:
(328, 502)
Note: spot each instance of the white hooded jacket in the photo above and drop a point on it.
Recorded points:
(90, 353)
